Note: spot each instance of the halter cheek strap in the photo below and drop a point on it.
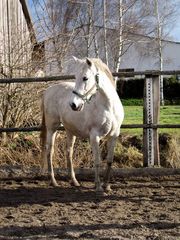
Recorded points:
(84, 97)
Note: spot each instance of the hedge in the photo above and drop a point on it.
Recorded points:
(132, 90)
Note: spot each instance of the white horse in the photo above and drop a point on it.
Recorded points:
(89, 108)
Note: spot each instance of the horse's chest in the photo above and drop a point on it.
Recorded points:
(105, 123)
(82, 123)
(106, 127)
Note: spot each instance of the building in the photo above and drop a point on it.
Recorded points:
(18, 45)
(143, 54)
(140, 53)
(21, 54)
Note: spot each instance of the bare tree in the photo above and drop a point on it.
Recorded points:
(160, 14)
(56, 23)
(159, 44)
(126, 19)
(120, 35)
(105, 30)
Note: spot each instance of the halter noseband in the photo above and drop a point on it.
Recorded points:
(84, 96)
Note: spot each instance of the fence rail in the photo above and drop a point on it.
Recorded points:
(70, 77)
(61, 128)
(150, 112)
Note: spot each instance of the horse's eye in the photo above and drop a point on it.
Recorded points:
(85, 79)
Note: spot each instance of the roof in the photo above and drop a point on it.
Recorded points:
(152, 38)
(28, 20)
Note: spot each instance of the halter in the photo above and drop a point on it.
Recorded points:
(84, 96)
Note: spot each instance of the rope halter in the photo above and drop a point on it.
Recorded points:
(84, 97)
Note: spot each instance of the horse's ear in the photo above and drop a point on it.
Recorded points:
(75, 58)
(88, 61)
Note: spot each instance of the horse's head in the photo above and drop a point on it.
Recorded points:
(86, 83)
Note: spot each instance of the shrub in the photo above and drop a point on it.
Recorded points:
(132, 102)
(131, 91)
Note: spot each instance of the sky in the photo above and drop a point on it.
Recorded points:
(174, 32)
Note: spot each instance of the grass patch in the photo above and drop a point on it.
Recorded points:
(168, 115)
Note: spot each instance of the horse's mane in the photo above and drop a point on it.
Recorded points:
(103, 67)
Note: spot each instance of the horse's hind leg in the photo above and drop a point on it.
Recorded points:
(44, 165)
(110, 145)
(49, 153)
(94, 140)
(70, 144)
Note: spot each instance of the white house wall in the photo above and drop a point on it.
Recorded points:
(141, 58)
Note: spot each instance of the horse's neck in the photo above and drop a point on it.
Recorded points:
(107, 92)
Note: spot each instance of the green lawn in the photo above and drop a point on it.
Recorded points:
(168, 115)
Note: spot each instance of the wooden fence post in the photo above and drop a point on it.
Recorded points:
(156, 111)
(150, 119)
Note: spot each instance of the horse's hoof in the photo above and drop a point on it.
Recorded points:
(74, 183)
(99, 191)
(54, 184)
(107, 188)
(100, 194)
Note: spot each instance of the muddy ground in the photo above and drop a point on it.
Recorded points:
(137, 208)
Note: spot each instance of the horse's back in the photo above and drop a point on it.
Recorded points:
(55, 99)
(57, 91)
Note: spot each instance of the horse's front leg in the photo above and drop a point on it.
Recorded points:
(110, 145)
(94, 140)
(70, 144)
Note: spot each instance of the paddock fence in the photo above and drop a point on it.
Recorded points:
(151, 109)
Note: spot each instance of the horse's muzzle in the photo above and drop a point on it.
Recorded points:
(75, 107)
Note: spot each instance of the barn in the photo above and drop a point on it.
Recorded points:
(19, 50)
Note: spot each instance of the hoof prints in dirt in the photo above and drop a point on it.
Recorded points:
(144, 209)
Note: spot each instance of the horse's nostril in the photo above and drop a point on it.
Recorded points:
(73, 106)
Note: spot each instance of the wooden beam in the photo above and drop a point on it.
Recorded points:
(70, 77)
(88, 173)
(156, 111)
(127, 126)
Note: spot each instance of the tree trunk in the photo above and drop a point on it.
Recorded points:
(105, 30)
(90, 26)
(160, 57)
(120, 35)
(120, 38)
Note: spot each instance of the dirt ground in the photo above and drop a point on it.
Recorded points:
(137, 208)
